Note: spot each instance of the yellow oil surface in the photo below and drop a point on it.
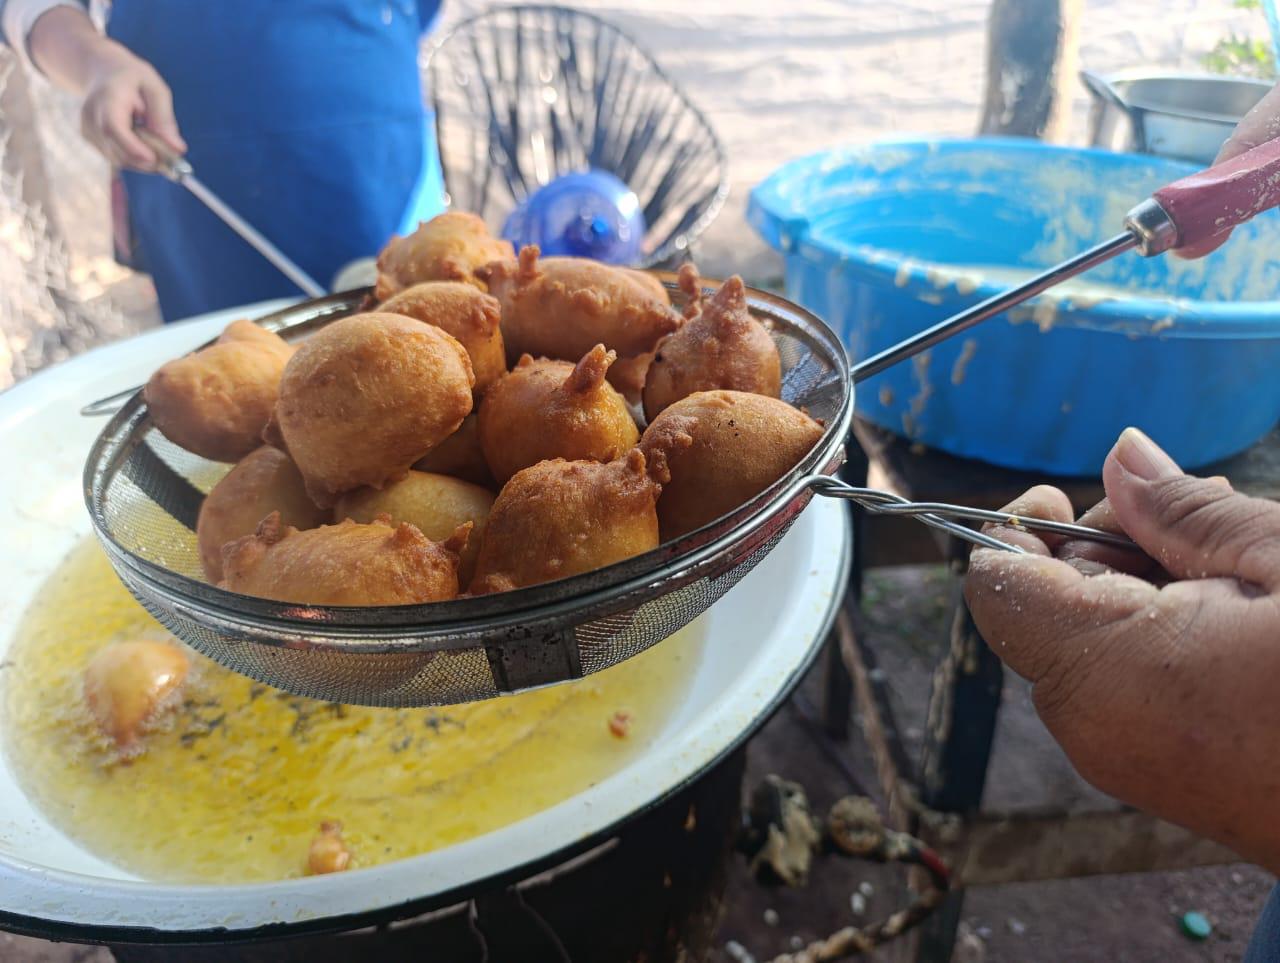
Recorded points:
(233, 785)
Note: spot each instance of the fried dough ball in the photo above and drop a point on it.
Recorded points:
(215, 402)
(465, 312)
(449, 247)
(562, 518)
(434, 504)
(250, 333)
(690, 284)
(263, 482)
(366, 397)
(460, 456)
(343, 564)
(559, 307)
(553, 409)
(328, 852)
(129, 685)
(716, 450)
(627, 376)
(722, 347)
(651, 282)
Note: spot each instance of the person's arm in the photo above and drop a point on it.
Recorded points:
(120, 90)
(1163, 684)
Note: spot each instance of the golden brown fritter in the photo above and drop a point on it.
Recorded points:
(559, 307)
(628, 374)
(460, 456)
(216, 401)
(553, 409)
(434, 504)
(344, 564)
(129, 685)
(651, 282)
(366, 397)
(690, 284)
(328, 852)
(562, 518)
(250, 333)
(263, 482)
(449, 247)
(465, 312)
(723, 346)
(716, 450)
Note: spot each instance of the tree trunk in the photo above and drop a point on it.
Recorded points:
(1031, 67)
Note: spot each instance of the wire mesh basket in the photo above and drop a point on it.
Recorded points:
(144, 493)
(525, 93)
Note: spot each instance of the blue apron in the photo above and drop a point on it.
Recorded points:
(1264, 947)
(305, 116)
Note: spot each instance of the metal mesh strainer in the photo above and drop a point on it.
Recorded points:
(144, 493)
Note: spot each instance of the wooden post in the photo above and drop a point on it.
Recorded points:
(1032, 48)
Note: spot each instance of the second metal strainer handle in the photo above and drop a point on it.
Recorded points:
(939, 515)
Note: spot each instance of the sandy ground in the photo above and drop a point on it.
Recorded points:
(775, 85)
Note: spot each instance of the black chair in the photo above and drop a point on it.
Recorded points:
(523, 94)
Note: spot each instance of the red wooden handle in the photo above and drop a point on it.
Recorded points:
(1213, 201)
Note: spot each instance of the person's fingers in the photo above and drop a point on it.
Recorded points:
(1260, 125)
(1042, 501)
(1030, 606)
(1039, 614)
(1092, 557)
(116, 119)
(157, 102)
(1193, 527)
(92, 128)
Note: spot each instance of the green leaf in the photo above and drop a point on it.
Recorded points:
(1241, 56)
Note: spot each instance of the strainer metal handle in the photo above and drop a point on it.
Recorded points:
(1185, 214)
(143, 494)
(939, 515)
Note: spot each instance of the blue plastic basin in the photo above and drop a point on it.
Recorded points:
(885, 239)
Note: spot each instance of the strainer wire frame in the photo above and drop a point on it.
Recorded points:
(487, 621)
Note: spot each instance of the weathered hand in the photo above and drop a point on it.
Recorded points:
(1162, 684)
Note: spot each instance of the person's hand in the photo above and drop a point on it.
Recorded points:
(1260, 125)
(120, 90)
(125, 91)
(1160, 679)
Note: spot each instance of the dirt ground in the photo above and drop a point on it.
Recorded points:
(1125, 919)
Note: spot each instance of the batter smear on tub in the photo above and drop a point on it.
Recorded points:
(916, 406)
(962, 361)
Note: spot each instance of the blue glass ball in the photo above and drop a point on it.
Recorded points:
(591, 214)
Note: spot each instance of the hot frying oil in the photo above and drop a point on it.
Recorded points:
(233, 785)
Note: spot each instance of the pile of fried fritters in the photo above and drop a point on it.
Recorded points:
(477, 428)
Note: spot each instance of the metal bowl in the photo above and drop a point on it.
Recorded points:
(1185, 116)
